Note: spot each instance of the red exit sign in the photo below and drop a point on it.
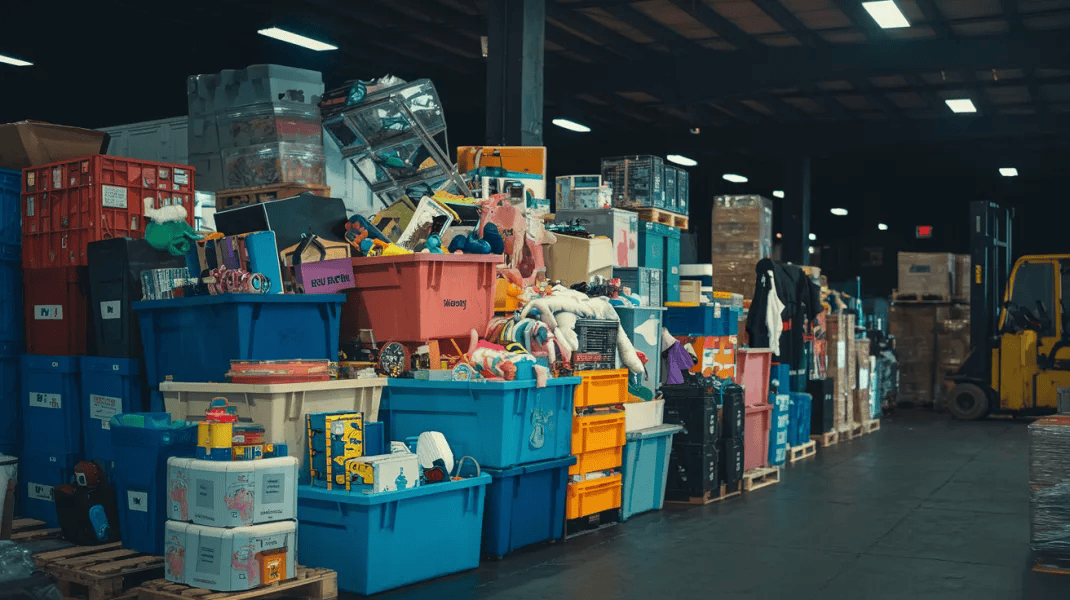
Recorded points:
(923, 232)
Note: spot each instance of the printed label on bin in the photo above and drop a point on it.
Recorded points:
(208, 554)
(181, 177)
(38, 400)
(57, 178)
(462, 304)
(138, 501)
(114, 196)
(112, 309)
(29, 206)
(273, 490)
(48, 312)
(104, 407)
(36, 491)
(841, 353)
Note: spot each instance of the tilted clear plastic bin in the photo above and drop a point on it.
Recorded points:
(378, 118)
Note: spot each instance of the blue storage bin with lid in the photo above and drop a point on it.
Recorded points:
(499, 423)
(779, 419)
(110, 386)
(378, 542)
(10, 403)
(780, 378)
(38, 477)
(646, 469)
(194, 339)
(706, 319)
(659, 248)
(142, 444)
(10, 208)
(799, 423)
(51, 406)
(525, 505)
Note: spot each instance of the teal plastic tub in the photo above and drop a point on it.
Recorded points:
(379, 542)
(525, 505)
(646, 469)
(501, 424)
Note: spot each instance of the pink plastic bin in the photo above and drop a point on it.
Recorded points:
(420, 297)
(756, 436)
(752, 372)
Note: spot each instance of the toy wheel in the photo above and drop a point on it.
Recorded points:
(393, 359)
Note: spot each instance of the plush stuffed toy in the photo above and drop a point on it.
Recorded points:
(168, 229)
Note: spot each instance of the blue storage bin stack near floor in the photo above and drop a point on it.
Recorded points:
(110, 386)
(646, 469)
(52, 430)
(778, 429)
(799, 422)
(38, 478)
(10, 308)
(142, 444)
(707, 319)
(378, 542)
(525, 505)
(659, 248)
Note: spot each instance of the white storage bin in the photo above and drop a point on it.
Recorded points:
(643, 415)
(230, 560)
(231, 494)
(280, 408)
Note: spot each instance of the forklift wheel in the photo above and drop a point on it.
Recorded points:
(967, 402)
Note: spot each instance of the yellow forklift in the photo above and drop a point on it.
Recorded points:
(1019, 362)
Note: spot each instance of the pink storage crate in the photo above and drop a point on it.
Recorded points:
(326, 276)
(756, 436)
(752, 372)
(420, 297)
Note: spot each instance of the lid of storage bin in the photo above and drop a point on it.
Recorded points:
(696, 270)
(478, 384)
(427, 257)
(270, 388)
(239, 299)
(308, 492)
(655, 431)
(115, 366)
(534, 467)
(60, 364)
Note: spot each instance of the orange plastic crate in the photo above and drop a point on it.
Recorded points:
(599, 388)
(598, 460)
(598, 432)
(591, 497)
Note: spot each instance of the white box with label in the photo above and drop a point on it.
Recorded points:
(228, 560)
(232, 494)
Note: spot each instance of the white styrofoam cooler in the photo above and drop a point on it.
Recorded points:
(280, 408)
(643, 415)
(229, 559)
(231, 493)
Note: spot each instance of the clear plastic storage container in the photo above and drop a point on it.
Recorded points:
(377, 119)
(268, 123)
(266, 164)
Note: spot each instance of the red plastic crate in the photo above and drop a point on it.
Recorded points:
(66, 205)
(56, 310)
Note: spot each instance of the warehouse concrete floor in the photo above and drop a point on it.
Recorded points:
(925, 508)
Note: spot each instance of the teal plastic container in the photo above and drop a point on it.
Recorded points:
(799, 423)
(779, 419)
(659, 248)
(645, 469)
(379, 542)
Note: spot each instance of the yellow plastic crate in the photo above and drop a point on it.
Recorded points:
(599, 388)
(591, 497)
(598, 460)
(598, 432)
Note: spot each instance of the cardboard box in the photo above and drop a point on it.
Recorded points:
(572, 259)
(841, 364)
(920, 331)
(742, 235)
(963, 277)
(927, 275)
(230, 559)
(28, 143)
(952, 343)
(620, 226)
(385, 472)
(232, 494)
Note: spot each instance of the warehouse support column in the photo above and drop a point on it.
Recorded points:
(516, 41)
(795, 212)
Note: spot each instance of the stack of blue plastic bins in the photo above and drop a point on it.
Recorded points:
(142, 444)
(706, 319)
(519, 433)
(10, 309)
(110, 386)
(799, 423)
(646, 469)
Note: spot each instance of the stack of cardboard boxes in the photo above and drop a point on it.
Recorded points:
(742, 235)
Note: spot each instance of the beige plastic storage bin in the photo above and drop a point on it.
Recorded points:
(279, 408)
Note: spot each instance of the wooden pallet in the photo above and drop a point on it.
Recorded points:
(311, 584)
(657, 215)
(590, 523)
(824, 440)
(914, 298)
(31, 530)
(851, 432)
(227, 199)
(756, 479)
(98, 572)
(807, 450)
(724, 492)
(870, 426)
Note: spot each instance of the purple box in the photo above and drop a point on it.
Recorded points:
(326, 276)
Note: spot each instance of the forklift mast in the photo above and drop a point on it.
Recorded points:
(992, 257)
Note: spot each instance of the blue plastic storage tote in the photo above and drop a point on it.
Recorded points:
(143, 442)
(778, 428)
(659, 248)
(705, 320)
(110, 386)
(10, 405)
(643, 327)
(194, 339)
(501, 424)
(378, 542)
(799, 426)
(646, 469)
(780, 378)
(51, 406)
(38, 477)
(10, 302)
(10, 209)
(525, 505)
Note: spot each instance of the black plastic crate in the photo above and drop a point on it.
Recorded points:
(731, 459)
(735, 411)
(693, 471)
(596, 337)
(823, 409)
(696, 409)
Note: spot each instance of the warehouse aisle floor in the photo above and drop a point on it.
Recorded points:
(927, 507)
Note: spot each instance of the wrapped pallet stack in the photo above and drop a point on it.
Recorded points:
(742, 235)
(1049, 482)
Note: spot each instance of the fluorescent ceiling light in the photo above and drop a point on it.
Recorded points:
(286, 36)
(882, 226)
(682, 160)
(839, 212)
(734, 178)
(811, 249)
(14, 61)
(813, 237)
(571, 125)
(778, 193)
(1008, 172)
(961, 105)
(886, 14)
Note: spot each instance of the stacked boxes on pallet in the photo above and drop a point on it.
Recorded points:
(599, 428)
(742, 235)
(709, 451)
(931, 340)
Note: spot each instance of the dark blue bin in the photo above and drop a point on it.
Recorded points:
(10, 405)
(51, 407)
(705, 320)
(525, 505)
(194, 339)
(10, 208)
(140, 475)
(780, 378)
(11, 320)
(799, 423)
(110, 386)
(38, 477)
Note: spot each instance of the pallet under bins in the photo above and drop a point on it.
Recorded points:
(724, 492)
(804, 451)
(665, 217)
(32, 530)
(99, 572)
(824, 440)
(310, 584)
(756, 479)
